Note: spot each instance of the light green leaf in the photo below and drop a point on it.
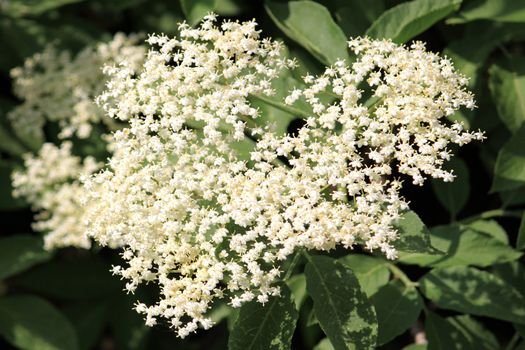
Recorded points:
(20, 8)
(520, 242)
(265, 327)
(372, 273)
(494, 10)
(75, 279)
(462, 331)
(20, 252)
(195, 10)
(343, 310)
(413, 238)
(324, 344)
(397, 308)
(453, 195)
(465, 245)
(297, 285)
(468, 290)
(310, 25)
(406, 20)
(491, 228)
(31, 323)
(507, 86)
(509, 172)
(89, 320)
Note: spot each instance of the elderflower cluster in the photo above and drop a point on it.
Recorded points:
(198, 217)
(50, 182)
(57, 87)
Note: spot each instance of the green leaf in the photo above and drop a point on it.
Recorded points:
(28, 322)
(126, 325)
(310, 25)
(491, 228)
(468, 290)
(462, 331)
(513, 273)
(465, 245)
(354, 17)
(324, 344)
(414, 237)
(415, 347)
(268, 326)
(509, 172)
(406, 20)
(520, 242)
(7, 201)
(453, 195)
(20, 252)
(195, 10)
(297, 285)
(494, 10)
(89, 320)
(372, 273)
(343, 310)
(507, 86)
(397, 308)
(20, 8)
(75, 279)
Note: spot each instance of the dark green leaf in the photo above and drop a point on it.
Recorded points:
(494, 10)
(195, 10)
(462, 331)
(408, 19)
(7, 201)
(20, 252)
(397, 308)
(89, 320)
(268, 326)
(354, 17)
(513, 273)
(31, 323)
(76, 279)
(507, 86)
(343, 310)
(453, 195)
(310, 25)
(372, 273)
(415, 347)
(509, 172)
(468, 290)
(413, 237)
(127, 326)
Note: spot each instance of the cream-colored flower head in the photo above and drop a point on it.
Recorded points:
(57, 87)
(203, 221)
(50, 182)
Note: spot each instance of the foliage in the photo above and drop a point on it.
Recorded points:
(459, 280)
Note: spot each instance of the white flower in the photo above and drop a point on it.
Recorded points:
(204, 221)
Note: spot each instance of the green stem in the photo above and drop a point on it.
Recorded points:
(398, 273)
(294, 111)
(493, 214)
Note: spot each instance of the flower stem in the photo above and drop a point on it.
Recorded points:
(399, 274)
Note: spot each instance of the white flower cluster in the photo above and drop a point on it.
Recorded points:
(205, 223)
(50, 182)
(55, 86)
